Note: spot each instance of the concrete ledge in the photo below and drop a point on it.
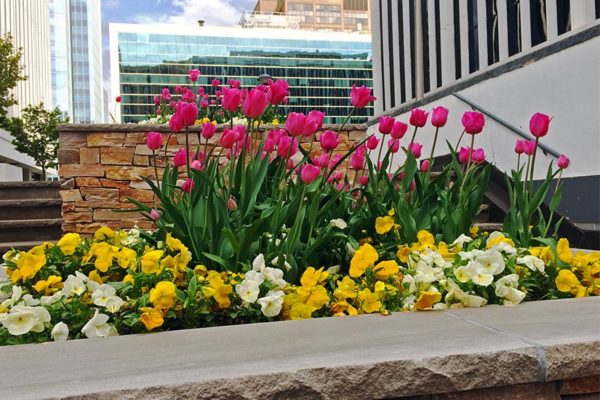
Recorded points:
(165, 128)
(366, 357)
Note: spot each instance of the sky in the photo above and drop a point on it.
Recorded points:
(214, 12)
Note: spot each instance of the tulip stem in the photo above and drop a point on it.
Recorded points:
(537, 139)
(380, 149)
(437, 129)
(459, 140)
(471, 151)
(412, 140)
(552, 211)
(155, 168)
(346, 120)
(187, 152)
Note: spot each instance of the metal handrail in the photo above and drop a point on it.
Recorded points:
(507, 125)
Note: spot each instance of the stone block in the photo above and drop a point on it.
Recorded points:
(68, 207)
(66, 228)
(143, 150)
(141, 161)
(528, 391)
(110, 215)
(94, 226)
(585, 385)
(138, 185)
(134, 138)
(109, 183)
(145, 196)
(70, 195)
(105, 139)
(70, 170)
(100, 194)
(89, 156)
(357, 135)
(192, 138)
(129, 173)
(72, 140)
(68, 156)
(83, 216)
(116, 155)
(87, 182)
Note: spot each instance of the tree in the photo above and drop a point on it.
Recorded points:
(36, 134)
(10, 73)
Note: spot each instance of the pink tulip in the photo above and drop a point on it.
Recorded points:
(197, 165)
(314, 122)
(204, 103)
(215, 83)
(520, 146)
(363, 180)
(165, 95)
(188, 185)
(334, 160)
(418, 117)
(309, 173)
(189, 113)
(399, 130)
(478, 156)
(154, 214)
(158, 112)
(179, 159)
(415, 149)
(529, 147)
(425, 166)
(539, 125)
(563, 162)
(200, 91)
(329, 140)
(208, 130)
(232, 98)
(231, 204)
(463, 155)
(279, 90)
(394, 145)
(473, 122)
(439, 116)
(178, 89)
(357, 160)
(386, 124)
(360, 97)
(176, 122)
(234, 83)
(156, 100)
(154, 140)
(256, 103)
(322, 161)
(372, 142)
(295, 123)
(287, 147)
(336, 176)
(228, 139)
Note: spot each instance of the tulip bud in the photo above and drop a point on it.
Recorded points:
(154, 214)
(539, 124)
(473, 122)
(425, 166)
(418, 117)
(563, 162)
(231, 204)
(439, 116)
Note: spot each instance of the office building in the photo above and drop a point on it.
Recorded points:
(320, 67)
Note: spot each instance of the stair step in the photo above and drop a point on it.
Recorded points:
(30, 209)
(48, 229)
(22, 246)
(29, 190)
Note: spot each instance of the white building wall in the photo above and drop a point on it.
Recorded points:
(28, 23)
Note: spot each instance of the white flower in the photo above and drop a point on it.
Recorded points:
(275, 276)
(532, 262)
(462, 274)
(333, 270)
(74, 285)
(409, 301)
(479, 273)
(14, 298)
(470, 255)
(97, 327)
(43, 317)
(350, 250)
(270, 304)
(28, 300)
(248, 290)
(461, 240)
(338, 223)
(255, 276)
(259, 263)
(113, 304)
(492, 261)
(501, 245)
(455, 293)
(19, 322)
(132, 238)
(60, 332)
(408, 285)
(101, 295)
(287, 265)
(507, 288)
(49, 300)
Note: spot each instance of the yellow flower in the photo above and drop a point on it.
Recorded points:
(28, 264)
(384, 224)
(163, 295)
(175, 244)
(200, 270)
(313, 297)
(104, 254)
(543, 253)
(566, 281)
(150, 264)
(49, 285)
(379, 288)
(563, 250)
(128, 279)
(497, 238)
(220, 290)
(151, 317)
(181, 260)
(275, 122)
(346, 289)
(392, 212)
(403, 252)
(369, 302)
(68, 243)
(300, 311)
(425, 239)
(104, 233)
(342, 308)
(95, 276)
(474, 230)
(385, 269)
(127, 258)
(427, 299)
(312, 277)
(364, 257)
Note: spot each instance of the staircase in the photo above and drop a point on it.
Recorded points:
(30, 214)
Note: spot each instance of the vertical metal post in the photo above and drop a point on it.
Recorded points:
(419, 64)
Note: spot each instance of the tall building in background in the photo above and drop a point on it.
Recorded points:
(28, 23)
(320, 67)
(333, 15)
(77, 59)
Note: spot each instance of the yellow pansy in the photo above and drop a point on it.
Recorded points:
(346, 289)
(128, 279)
(426, 240)
(313, 277)
(104, 233)
(275, 122)
(104, 254)
(385, 269)
(200, 270)
(384, 224)
(163, 295)
(175, 244)
(300, 310)
(342, 308)
(181, 260)
(48, 286)
(379, 288)
(474, 230)
(127, 258)
(543, 253)
(28, 264)
(95, 276)
(403, 253)
(497, 238)
(369, 301)
(151, 317)
(427, 299)
(220, 291)
(150, 264)
(313, 297)
(69, 243)
(363, 258)
(563, 251)
(566, 281)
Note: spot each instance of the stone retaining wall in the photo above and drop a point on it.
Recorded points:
(100, 167)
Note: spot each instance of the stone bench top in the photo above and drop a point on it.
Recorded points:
(330, 358)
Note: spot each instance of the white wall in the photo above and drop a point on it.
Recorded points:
(10, 173)
(565, 85)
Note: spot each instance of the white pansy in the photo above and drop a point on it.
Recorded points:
(275, 276)
(338, 223)
(409, 301)
(492, 261)
(507, 288)
(19, 322)
(479, 273)
(286, 264)
(49, 300)
(461, 240)
(101, 295)
(333, 270)
(470, 255)
(14, 297)
(248, 290)
(350, 250)
(254, 276)
(462, 274)
(60, 332)
(440, 306)
(74, 285)
(132, 238)
(270, 305)
(501, 245)
(408, 285)
(28, 300)
(43, 318)
(456, 294)
(532, 262)
(113, 304)
(259, 263)
(97, 327)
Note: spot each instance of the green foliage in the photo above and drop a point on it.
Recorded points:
(35, 133)
(11, 72)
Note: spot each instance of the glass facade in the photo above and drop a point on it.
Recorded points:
(60, 55)
(320, 72)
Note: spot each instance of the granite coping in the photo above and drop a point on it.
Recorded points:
(165, 127)
(364, 357)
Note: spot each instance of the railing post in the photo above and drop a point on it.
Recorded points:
(448, 51)
(420, 69)
(398, 48)
(583, 12)
(502, 29)
(464, 37)
(432, 45)
(551, 20)
(525, 21)
(377, 56)
(482, 34)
